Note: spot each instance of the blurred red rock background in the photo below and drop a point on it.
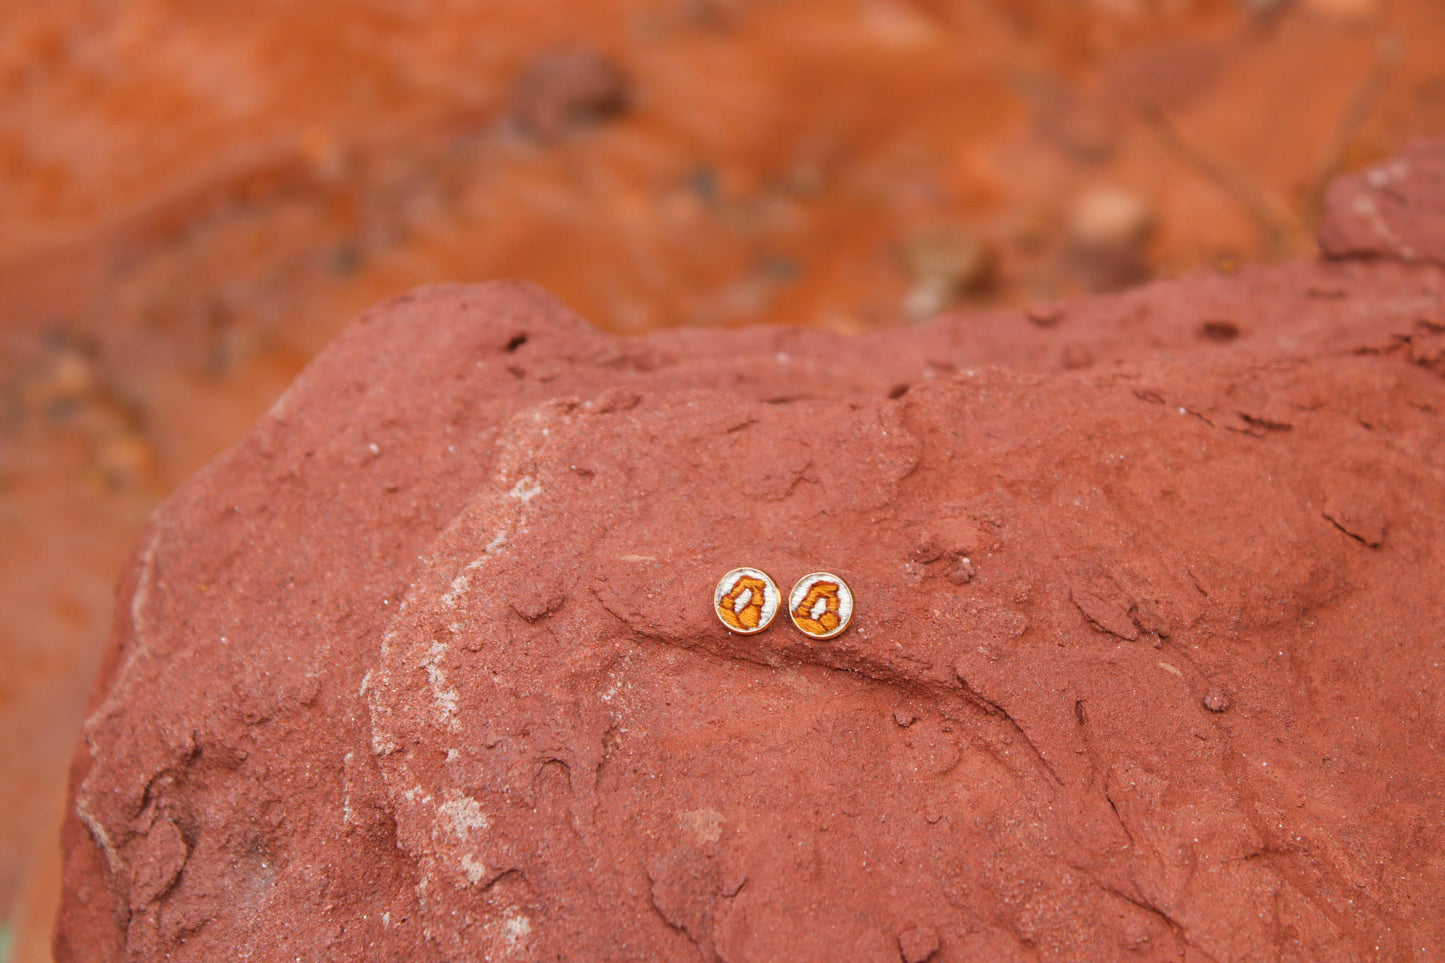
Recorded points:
(195, 197)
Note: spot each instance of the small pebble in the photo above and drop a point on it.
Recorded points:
(918, 945)
(962, 572)
(1219, 331)
(126, 460)
(1109, 228)
(1149, 616)
(927, 550)
(568, 89)
(1045, 315)
(943, 266)
(904, 718)
(1217, 700)
(1109, 217)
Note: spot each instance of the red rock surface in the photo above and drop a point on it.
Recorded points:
(1146, 659)
(1393, 209)
(196, 196)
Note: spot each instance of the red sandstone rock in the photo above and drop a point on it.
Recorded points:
(1394, 209)
(425, 667)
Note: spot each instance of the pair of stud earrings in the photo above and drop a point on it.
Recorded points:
(747, 600)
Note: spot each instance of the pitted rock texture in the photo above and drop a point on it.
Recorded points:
(1146, 662)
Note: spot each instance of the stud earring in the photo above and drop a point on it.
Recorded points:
(746, 600)
(821, 605)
